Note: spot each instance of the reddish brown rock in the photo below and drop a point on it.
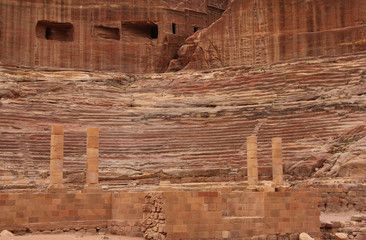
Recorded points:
(181, 127)
(262, 32)
(128, 36)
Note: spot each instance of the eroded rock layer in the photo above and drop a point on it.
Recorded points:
(135, 36)
(186, 126)
(259, 32)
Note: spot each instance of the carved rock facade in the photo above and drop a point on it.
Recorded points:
(260, 32)
(128, 36)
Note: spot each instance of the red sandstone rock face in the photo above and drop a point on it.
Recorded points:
(262, 32)
(185, 126)
(128, 36)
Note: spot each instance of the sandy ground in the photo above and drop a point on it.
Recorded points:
(67, 237)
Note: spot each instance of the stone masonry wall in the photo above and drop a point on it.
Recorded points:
(204, 215)
(342, 197)
(225, 213)
(50, 211)
(127, 214)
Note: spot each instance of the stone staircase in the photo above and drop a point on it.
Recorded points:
(184, 126)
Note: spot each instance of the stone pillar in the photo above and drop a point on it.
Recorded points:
(92, 158)
(252, 162)
(56, 163)
(277, 169)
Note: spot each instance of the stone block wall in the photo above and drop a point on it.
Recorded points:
(127, 214)
(193, 215)
(295, 211)
(228, 214)
(50, 211)
(171, 213)
(342, 197)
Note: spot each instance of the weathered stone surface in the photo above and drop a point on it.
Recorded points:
(357, 218)
(341, 236)
(135, 36)
(184, 127)
(262, 32)
(362, 235)
(6, 233)
(153, 224)
(305, 236)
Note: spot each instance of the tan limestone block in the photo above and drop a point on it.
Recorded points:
(252, 163)
(252, 171)
(252, 157)
(57, 152)
(56, 177)
(91, 178)
(57, 130)
(252, 181)
(277, 148)
(92, 142)
(277, 140)
(92, 165)
(92, 153)
(251, 146)
(57, 141)
(56, 165)
(252, 139)
(252, 153)
(277, 155)
(278, 179)
(225, 234)
(92, 132)
(277, 169)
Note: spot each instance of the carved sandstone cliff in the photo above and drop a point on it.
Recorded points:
(135, 36)
(259, 32)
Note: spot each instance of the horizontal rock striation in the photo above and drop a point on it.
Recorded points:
(183, 126)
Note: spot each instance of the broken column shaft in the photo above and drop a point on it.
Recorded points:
(57, 154)
(277, 169)
(252, 161)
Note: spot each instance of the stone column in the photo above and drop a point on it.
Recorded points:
(56, 164)
(252, 162)
(92, 158)
(277, 169)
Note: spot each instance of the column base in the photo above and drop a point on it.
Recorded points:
(92, 189)
(56, 188)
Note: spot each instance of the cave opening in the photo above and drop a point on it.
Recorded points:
(63, 32)
(140, 29)
(174, 26)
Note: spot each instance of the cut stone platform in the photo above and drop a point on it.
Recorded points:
(176, 212)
